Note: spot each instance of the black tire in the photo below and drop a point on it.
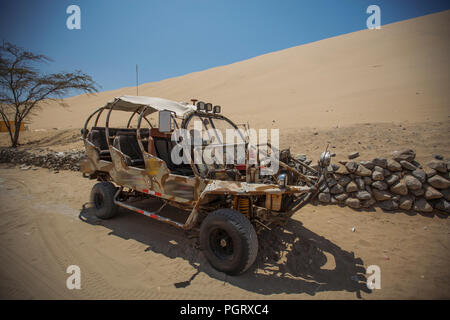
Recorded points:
(102, 199)
(228, 241)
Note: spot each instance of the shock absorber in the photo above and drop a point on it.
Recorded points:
(242, 204)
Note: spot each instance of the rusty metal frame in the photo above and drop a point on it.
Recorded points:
(142, 181)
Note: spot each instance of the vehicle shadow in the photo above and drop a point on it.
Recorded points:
(290, 260)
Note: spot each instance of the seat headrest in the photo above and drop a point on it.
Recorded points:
(126, 133)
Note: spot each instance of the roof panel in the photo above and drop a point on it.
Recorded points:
(133, 103)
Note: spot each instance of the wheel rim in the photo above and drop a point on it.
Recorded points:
(221, 244)
(98, 200)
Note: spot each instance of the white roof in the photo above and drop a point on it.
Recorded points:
(133, 103)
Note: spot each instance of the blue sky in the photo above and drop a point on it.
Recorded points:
(168, 38)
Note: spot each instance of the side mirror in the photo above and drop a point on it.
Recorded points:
(165, 121)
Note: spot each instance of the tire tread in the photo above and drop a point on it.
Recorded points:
(244, 228)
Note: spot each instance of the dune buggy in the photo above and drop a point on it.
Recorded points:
(228, 203)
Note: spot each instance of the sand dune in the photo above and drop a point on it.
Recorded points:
(399, 73)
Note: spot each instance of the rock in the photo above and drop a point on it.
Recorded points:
(368, 203)
(416, 164)
(351, 166)
(412, 182)
(333, 200)
(344, 180)
(335, 166)
(363, 171)
(381, 162)
(443, 205)
(381, 195)
(392, 179)
(420, 175)
(407, 165)
(388, 205)
(337, 188)
(438, 165)
(406, 202)
(445, 175)
(407, 154)
(360, 183)
(429, 172)
(421, 205)
(363, 195)
(439, 182)
(418, 192)
(331, 181)
(432, 193)
(324, 197)
(377, 175)
(342, 170)
(386, 173)
(438, 157)
(368, 164)
(379, 169)
(446, 194)
(393, 165)
(400, 188)
(353, 155)
(353, 203)
(351, 187)
(367, 180)
(380, 185)
(341, 197)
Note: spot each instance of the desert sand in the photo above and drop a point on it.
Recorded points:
(372, 91)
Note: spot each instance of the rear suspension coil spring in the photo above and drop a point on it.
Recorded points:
(244, 205)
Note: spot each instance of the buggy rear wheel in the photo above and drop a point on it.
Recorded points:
(228, 241)
(102, 198)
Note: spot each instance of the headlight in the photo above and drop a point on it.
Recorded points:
(325, 159)
(282, 180)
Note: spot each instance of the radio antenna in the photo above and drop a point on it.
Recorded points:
(137, 81)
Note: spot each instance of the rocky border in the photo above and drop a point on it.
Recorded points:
(396, 183)
(50, 159)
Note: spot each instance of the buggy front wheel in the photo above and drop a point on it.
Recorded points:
(229, 241)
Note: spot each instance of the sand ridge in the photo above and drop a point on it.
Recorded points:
(395, 74)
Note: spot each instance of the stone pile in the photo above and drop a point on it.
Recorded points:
(397, 183)
(69, 160)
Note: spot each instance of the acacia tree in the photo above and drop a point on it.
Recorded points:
(24, 89)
